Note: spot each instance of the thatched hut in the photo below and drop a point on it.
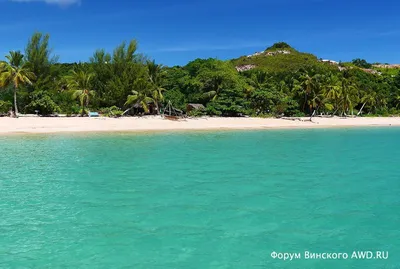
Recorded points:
(191, 107)
(137, 109)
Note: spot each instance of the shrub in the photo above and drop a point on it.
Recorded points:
(42, 102)
(113, 111)
(83, 112)
(280, 45)
(197, 113)
(361, 63)
(299, 114)
(5, 107)
(118, 113)
(73, 110)
(263, 115)
(393, 111)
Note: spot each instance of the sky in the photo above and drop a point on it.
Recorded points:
(174, 32)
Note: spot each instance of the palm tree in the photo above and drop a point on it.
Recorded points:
(259, 79)
(215, 83)
(397, 99)
(80, 83)
(348, 95)
(332, 92)
(156, 77)
(308, 85)
(368, 98)
(141, 95)
(320, 101)
(381, 100)
(15, 72)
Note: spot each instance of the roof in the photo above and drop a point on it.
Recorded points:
(196, 106)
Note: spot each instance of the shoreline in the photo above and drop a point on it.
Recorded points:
(42, 125)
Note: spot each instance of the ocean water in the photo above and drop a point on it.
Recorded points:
(200, 200)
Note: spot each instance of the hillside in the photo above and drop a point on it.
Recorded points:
(282, 57)
(279, 57)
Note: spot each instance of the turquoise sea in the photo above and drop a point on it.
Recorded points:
(200, 199)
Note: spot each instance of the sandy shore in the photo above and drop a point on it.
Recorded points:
(58, 125)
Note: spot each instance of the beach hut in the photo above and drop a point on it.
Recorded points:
(137, 109)
(191, 107)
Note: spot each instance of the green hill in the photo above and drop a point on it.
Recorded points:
(279, 57)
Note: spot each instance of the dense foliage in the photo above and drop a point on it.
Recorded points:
(281, 81)
(361, 63)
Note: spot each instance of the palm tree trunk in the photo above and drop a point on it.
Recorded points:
(83, 109)
(15, 103)
(359, 112)
(126, 111)
(313, 114)
(87, 103)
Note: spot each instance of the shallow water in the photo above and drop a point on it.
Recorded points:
(200, 200)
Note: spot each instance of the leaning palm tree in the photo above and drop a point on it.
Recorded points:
(141, 95)
(369, 98)
(14, 72)
(158, 97)
(80, 83)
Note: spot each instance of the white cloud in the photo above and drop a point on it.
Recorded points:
(53, 2)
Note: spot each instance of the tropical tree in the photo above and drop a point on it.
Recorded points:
(79, 82)
(259, 79)
(215, 84)
(156, 77)
(382, 100)
(368, 98)
(215, 76)
(319, 101)
(397, 99)
(361, 63)
(308, 85)
(316, 98)
(141, 95)
(349, 95)
(14, 72)
(39, 56)
(332, 92)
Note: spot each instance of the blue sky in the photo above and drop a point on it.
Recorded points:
(174, 32)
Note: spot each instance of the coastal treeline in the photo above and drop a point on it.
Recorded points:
(279, 81)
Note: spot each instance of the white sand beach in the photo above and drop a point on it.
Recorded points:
(155, 123)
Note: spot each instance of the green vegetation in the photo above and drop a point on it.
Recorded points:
(361, 63)
(279, 81)
(79, 82)
(15, 73)
(280, 58)
(113, 112)
(279, 46)
(387, 71)
(5, 107)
